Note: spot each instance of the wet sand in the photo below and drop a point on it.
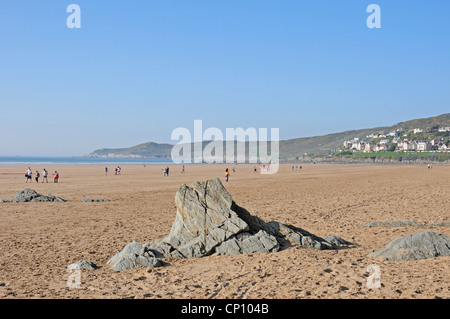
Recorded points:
(39, 240)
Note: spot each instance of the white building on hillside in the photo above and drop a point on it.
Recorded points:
(423, 146)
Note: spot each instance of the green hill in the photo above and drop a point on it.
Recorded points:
(289, 149)
(428, 124)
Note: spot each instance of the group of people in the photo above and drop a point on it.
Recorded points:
(117, 170)
(29, 176)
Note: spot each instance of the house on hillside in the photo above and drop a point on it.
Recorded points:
(381, 148)
(369, 147)
(408, 146)
(434, 142)
(423, 146)
(359, 146)
(444, 148)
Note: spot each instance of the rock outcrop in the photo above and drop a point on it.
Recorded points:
(416, 246)
(209, 222)
(30, 195)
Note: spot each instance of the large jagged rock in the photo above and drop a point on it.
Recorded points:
(208, 218)
(416, 246)
(209, 222)
(204, 219)
(30, 195)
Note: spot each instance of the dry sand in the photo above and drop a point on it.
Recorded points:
(39, 240)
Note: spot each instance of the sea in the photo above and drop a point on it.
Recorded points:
(19, 160)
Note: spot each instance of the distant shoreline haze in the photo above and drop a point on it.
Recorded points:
(35, 160)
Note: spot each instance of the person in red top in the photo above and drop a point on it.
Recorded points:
(56, 177)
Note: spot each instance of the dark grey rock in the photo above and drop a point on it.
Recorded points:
(416, 246)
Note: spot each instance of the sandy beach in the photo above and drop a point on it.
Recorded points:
(39, 240)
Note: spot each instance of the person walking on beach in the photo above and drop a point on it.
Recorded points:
(227, 175)
(182, 170)
(28, 175)
(106, 170)
(167, 170)
(56, 177)
(44, 175)
(37, 176)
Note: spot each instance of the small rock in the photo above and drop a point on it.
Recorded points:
(89, 200)
(337, 240)
(83, 264)
(393, 223)
(132, 256)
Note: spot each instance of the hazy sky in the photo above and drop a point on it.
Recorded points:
(136, 70)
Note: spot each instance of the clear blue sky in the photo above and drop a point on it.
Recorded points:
(136, 70)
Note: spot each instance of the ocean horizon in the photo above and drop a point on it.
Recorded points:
(34, 160)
